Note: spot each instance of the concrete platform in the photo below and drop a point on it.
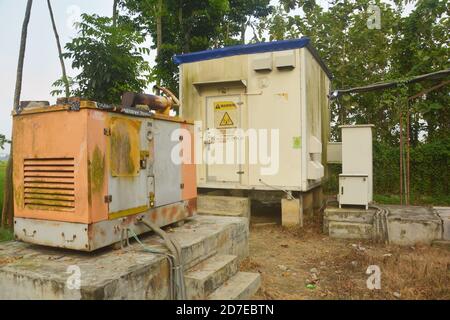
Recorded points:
(223, 205)
(409, 225)
(406, 225)
(348, 222)
(240, 286)
(35, 272)
(444, 214)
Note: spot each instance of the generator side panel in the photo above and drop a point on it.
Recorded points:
(98, 166)
(188, 167)
(127, 175)
(167, 163)
(50, 166)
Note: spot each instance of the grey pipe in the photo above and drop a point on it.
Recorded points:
(175, 250)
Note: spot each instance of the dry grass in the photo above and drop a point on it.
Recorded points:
(285, 257)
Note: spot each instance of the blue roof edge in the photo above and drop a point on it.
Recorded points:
(250, 49)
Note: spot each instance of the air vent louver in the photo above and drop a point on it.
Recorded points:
(49, 184)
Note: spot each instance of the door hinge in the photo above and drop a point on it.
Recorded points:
(108, 198)
(240, 172)
(181, 185)
(107, 131)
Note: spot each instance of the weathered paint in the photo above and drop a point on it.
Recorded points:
(128, 188)
(51, 135)
(99, 166)
(188, 168)
(125, 147)
(88, 237)
(63, 171)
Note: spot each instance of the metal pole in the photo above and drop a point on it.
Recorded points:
(401, 159)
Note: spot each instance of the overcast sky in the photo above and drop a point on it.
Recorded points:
(41, 66)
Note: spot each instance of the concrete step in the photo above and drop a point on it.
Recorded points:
(207, 276)
(241, 286)
(223, 206)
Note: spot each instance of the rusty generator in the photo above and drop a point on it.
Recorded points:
(86, 173)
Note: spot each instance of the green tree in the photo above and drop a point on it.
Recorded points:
(178, 26)
(109, 57)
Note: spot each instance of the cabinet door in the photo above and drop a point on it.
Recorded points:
(353, 190)
(128, 183)
(222, 144)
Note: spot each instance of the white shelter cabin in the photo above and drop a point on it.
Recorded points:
(280, 88)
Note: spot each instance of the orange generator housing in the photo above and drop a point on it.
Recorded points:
(85, 173)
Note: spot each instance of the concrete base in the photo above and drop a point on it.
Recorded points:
(318, 199)
(212, 246)
(348, 223)
(223, 206)
(444, 214)
(411, 225)
(291, 213)
(406, 225)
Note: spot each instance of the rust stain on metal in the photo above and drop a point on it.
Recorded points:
(125, 151)
(97, 170)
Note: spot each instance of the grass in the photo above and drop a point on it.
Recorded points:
(5, 235)
(408, 272)
(415, 199)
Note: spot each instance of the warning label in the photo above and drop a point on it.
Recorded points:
(225, 114)
(226, 120)
(224, 105)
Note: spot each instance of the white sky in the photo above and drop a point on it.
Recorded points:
(41, 67)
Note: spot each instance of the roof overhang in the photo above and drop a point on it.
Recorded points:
(261, 47)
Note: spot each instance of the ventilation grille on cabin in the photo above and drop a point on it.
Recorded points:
(49, 184)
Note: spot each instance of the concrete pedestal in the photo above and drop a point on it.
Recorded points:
(35, 272)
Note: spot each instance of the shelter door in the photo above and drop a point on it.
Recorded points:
(222, 140)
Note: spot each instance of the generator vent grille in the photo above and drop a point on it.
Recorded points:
(49, 184)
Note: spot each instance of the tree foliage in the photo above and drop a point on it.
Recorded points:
(3, 141)
(110, 59)
(189, 26)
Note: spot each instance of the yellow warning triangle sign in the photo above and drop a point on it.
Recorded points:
(226, 120)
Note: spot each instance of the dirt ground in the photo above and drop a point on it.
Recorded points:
(297, 263)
